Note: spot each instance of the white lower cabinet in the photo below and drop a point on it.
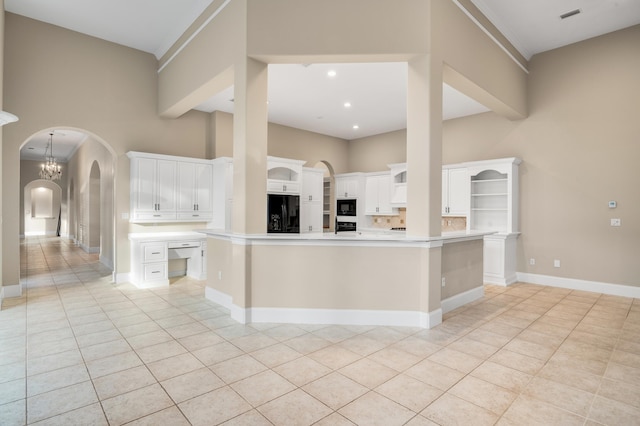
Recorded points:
(151, 253)
(155, 272)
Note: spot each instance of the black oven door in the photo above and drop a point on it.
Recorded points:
(346, 208)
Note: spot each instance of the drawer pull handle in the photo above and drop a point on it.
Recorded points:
(155, 272)
(156, 215)
(155, 252)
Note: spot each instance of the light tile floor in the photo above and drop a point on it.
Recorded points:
(78, 350)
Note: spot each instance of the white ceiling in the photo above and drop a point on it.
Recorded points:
(299, 95)
(65, 142)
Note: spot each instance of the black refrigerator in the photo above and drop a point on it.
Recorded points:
(283, 213)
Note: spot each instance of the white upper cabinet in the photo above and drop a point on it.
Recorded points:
(349, 185)
(284, 176)
(194, 184)
(166, 188)
(153, 190)
(398, 184)
(455, 191)
(378, 195)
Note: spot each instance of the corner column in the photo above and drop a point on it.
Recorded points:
(249, 170)
(424, 174)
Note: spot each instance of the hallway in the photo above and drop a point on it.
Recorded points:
(77, 349)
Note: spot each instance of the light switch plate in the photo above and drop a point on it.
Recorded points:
(616, 222)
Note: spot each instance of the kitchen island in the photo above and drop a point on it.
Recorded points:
(366, 278)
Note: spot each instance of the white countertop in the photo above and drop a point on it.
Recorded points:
(167, 236)
(363, 237)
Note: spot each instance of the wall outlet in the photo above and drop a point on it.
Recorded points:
(443, 282)
(615, 222)
(532, 261)
(219, 275)
(556, 263)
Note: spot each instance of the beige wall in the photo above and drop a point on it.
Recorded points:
(287, 142)
(374, 153)
(85, 225)
(579, 149)
(63, 79)
(461, 267)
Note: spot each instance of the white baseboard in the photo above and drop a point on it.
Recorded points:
(575, 284)
(325, 316)
(453, 302)
(12, 290)
(106, 262)
(122, 277)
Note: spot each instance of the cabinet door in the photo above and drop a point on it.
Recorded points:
(166, 185)
(347, 188)
(384, 195)
(445, 192)
(459, 187)
(371, 196)
(378, 195)
(203, 188)
(312, 185)
(186, 198)
(145, 196)
(310, 217)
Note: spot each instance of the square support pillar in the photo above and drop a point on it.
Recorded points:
(250, 147)
(424, 172)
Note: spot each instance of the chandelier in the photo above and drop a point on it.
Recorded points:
(50, 169)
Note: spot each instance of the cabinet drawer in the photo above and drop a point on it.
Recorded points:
(154, 252)
(155, 271)
(158, 216)
(198, 216)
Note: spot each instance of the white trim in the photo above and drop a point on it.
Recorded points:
(431, 319)
(325, 316)
(453, 302)
(192, 36)
(12, 290)
(1, 296)
(218, 297)
(575, 284)
(335, 316)
(498, 280)
(123, 277)
(106, 262)
(495, 40)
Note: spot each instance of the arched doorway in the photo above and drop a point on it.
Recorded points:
(88, 189)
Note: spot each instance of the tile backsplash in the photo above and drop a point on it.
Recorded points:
(450, 223)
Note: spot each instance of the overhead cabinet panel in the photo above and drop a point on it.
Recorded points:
(170, 189)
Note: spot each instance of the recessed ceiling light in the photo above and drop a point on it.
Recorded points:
(332, 73)
(356, 127)
(347, 104)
